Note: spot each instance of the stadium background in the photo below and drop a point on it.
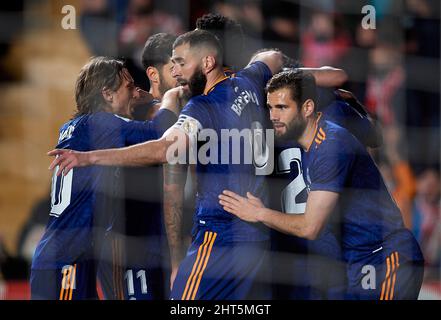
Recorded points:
(393, 69)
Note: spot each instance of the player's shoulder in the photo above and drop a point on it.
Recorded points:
(199, 103)
(331, 136)
(100, 116)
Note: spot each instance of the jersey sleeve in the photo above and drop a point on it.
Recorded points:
(193, 119)
(141, 131)
(257, 72)
(331, 167)
(109, 130)
(349, 118)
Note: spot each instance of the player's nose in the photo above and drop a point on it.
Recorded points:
(274, 115)
(175, 71)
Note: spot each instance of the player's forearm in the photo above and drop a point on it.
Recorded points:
(328, 76)
(297, 225)
(174, 183)
(148, 153)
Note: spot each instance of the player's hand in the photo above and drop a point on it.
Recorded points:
(67, 159)
(244, 208)
(173, 275)
(174, 99)
(140, 97)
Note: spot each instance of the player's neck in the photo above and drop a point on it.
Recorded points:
(308, 135)
(214, 77)
(154, 91)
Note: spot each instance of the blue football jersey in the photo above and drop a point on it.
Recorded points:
(366, 213)
(237, 102)
(341, 113)
(289, 195)
(85, 201)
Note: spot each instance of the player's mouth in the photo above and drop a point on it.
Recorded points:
(183, 83)
(278, 125)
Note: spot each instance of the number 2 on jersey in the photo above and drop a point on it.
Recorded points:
(296, 186)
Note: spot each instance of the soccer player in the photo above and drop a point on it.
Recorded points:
(311, 269)
(135, 260)
(226, 253)
(156, 60)
(85, 201)
(281, 187)
(345, 190)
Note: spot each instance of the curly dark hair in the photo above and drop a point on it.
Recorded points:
(230, 35)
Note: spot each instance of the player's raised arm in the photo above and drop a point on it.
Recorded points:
(272, 58)
(328, 76)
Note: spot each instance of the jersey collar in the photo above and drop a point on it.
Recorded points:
(318, 134)
(220, 79)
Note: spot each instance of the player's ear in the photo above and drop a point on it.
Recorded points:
(107, 95)
(208, 62)
(153, 74)
(308, 107)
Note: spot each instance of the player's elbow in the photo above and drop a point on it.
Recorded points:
(341, 77)
(311, 232)
(272, 58)
(276, 61)
(334, 77)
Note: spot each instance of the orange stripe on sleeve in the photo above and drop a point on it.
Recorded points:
(320, 136)
(194, 266)
(205, 265)
(315, 130)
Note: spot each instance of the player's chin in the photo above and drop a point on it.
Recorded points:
(279, 131)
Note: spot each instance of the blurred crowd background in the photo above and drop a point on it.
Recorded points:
(393, 69)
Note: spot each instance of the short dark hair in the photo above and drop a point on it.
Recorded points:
(97, 74)
(201, 39)
(300, 83)
(157, 50)
(229, 33)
